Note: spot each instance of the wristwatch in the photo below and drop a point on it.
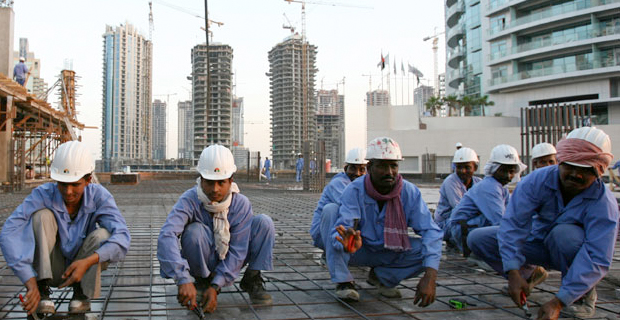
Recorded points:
(216, 287)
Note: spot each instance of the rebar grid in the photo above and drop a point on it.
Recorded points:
(300, 284)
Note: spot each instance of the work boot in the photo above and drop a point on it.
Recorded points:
(584, 307)
(253, 284)
(538, 276)
(46, 306)
(346, 291)
(79, 302)
(383, 290)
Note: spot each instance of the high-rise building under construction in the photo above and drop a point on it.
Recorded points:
(127, 93)
(330, 125)
(212, 121)
(293, 106)
(159, 129)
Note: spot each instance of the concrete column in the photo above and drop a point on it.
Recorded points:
(7, 18)
(6, 107)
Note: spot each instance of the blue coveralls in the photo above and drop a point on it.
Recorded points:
(391, 267)
(299, 167)
(450, 194)
(19, 73)
(577, 239)
(330, 200)
(98, 208)
(483, 205)
(251, 241)
(616, 166)
(267, 166)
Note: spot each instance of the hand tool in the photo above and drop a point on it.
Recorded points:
(34, 314)
(524, 306)
(351, 243)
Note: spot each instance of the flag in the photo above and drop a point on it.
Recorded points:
(415, 71)
(402, 66)
(381, 63)
(418, 78)
(394, 66)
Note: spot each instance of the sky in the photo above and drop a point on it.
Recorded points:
(351, 36)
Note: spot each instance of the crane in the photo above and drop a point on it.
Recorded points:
(219, 24)
(289, 25)
(435, 38)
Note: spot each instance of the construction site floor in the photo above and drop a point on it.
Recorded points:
(300, 284)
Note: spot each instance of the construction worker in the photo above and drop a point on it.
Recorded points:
(458, 145)
(20, 71)
(543, 154)
(64, 233)
(299, 167)
(484, 204)
(372, 229)
(267, 167)
(455, 186)
(218, 234)
(327, 208)
(560, 217)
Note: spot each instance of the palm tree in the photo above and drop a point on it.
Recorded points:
(468, 103)
(433, 104)
(484, 102)
(452, 102)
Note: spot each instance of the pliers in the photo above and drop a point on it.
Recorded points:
(351, 243)
(524, 306)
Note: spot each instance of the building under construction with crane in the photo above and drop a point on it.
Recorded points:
(292, 70)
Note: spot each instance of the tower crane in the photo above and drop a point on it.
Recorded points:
(435, 38)
(289, 25)
(219, 24)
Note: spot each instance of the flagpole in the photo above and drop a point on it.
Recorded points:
(408, 85)
(402, 91)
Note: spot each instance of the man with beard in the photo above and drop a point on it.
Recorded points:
(560, 217)
(375, 214)
(325, 212)
(484, 204)
(218, 233)
(455, 186)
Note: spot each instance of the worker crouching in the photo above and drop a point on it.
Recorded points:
(219, 235)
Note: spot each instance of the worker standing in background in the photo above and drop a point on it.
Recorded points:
(484, 204)
(325, 213)
(267, 166)
(372, 229)
(64, 233)
(543, 154)
(560, 217)
(20, 71)
(455, 186)
(299, 167)
(218, 234)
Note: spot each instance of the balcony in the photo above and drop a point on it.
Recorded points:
(556, 40)
(456, 77)
(553, 11)
(455, 12)
(455, 56)
(455, 35)
(593, 64)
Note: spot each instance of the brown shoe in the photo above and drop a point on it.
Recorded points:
(253, 284)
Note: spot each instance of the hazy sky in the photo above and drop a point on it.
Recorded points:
(350, 41)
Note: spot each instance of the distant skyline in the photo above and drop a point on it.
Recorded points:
(350, 42)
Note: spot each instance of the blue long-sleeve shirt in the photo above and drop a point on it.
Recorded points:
(20, 70)
(356, 204)
(537, 206)
(616, 166)
(331, 194)
(189, 209)
(98, 207)
(483, 205)
(300, 164)
(450, 194)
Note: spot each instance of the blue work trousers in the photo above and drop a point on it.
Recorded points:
(391, 267)
(556, 251)
(268, 174)
(456, 234)
(198, 247)
(298, 175)
(329, 215)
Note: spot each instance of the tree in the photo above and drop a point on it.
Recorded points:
(452, 102)
(433, 104)
(468, 103)
(484, 102)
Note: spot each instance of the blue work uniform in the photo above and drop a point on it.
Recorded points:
(391, 267)
(616, 166)
(312, 166)
(577, 239)
(483, 205)
(267, 166)
(98, 209)
(251, 241)
(299, 167)
(19, 73)
(450, 194)
(331, 194)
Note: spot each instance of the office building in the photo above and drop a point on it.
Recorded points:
(185, 130)
(377, 98)
(159, 130)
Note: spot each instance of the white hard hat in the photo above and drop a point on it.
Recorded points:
(593, 135)
(72, 161)
(383, 148)
(356, 156)
(504, 154)
(458, 145)
(465, 155)
(22, 59)
(216, 163)
(543, 149)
